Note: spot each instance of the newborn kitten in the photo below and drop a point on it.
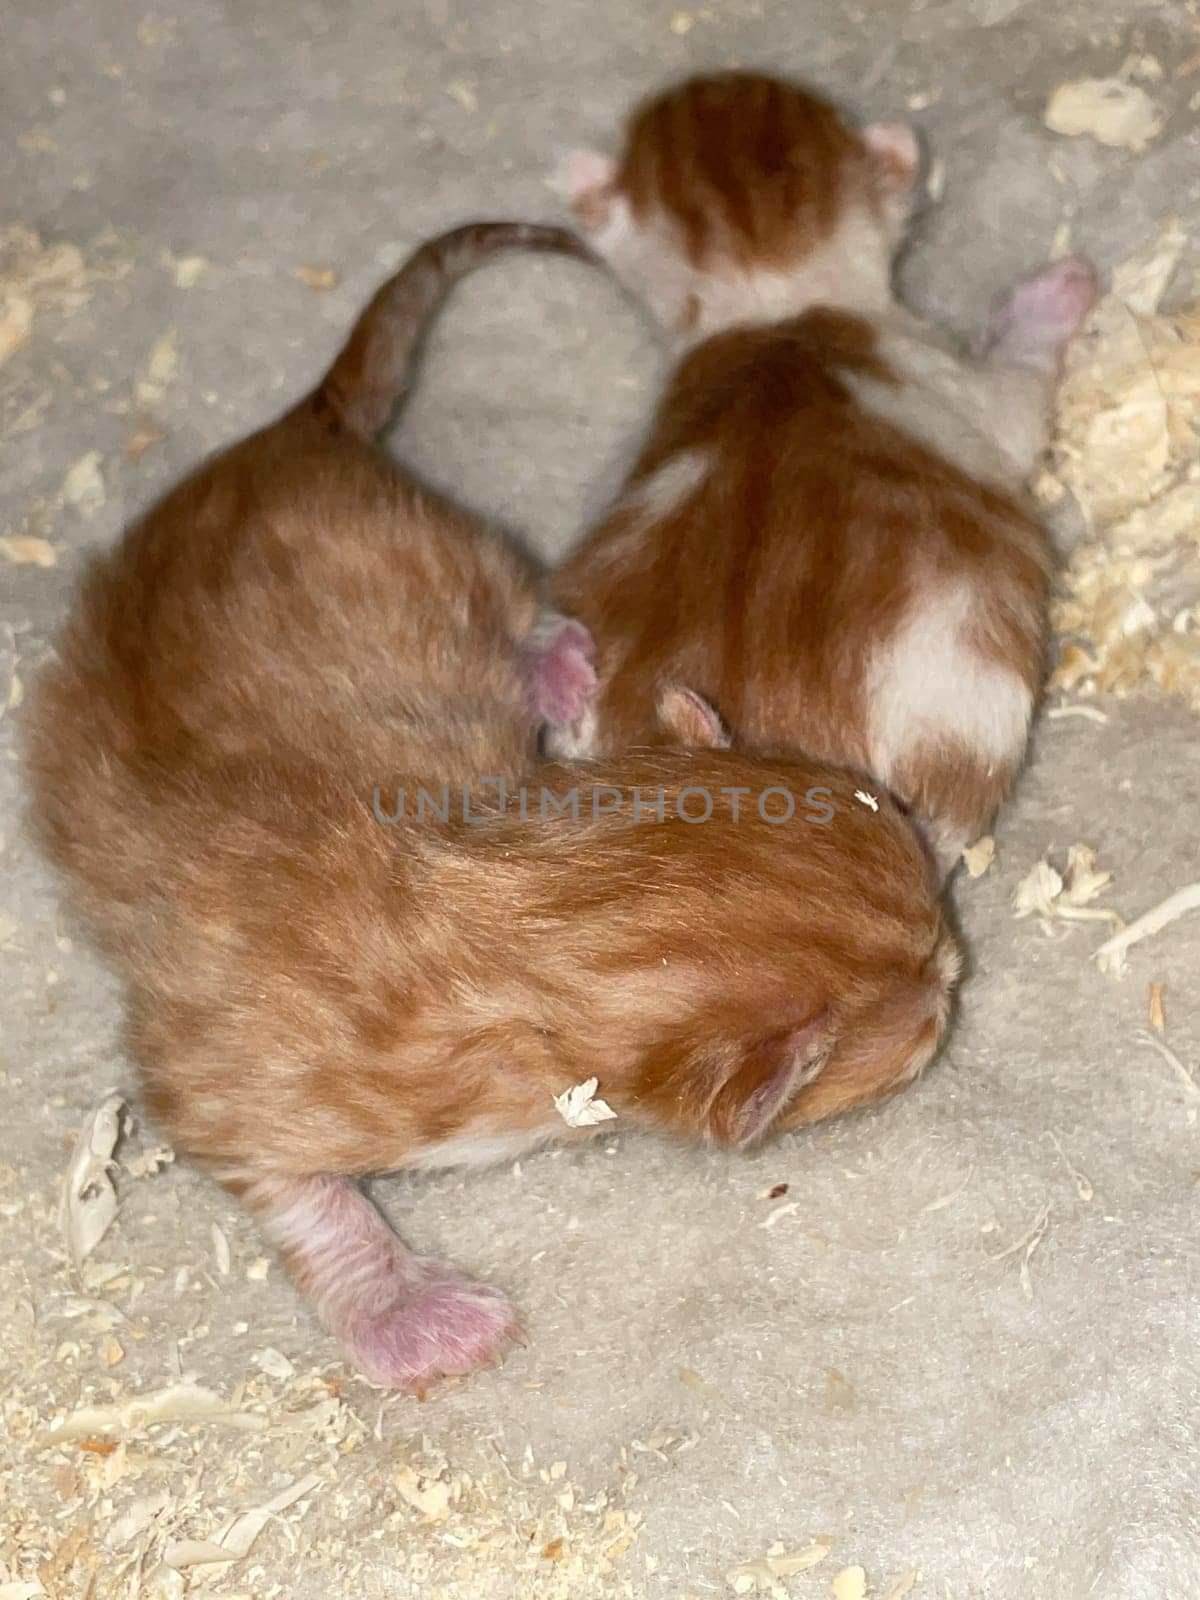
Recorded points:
(825, 533)
(323, 982)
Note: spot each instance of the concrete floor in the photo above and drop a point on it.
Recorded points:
(717, 1375)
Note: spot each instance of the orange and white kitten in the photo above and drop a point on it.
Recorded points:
(825, 533)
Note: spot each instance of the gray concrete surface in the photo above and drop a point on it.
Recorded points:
(870, 1366)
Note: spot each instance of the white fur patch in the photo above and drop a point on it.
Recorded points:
(988, 421)
(929, 683)
(575, 741)
(851, 270)
(670, 486)
(480, 1148)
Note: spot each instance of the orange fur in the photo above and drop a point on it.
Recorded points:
(768, 587)
(314, 993)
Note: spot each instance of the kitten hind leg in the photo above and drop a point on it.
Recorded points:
(401, 1321)
(1029, 330)
(1038, 318)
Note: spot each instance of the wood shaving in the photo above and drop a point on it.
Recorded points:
(318, 278)
(866, 799)
(762, 1575)
(89, 1196)
(274, 1363)
(185, 270)
(850, 1584)
(579, 1107)
(1084, 713)
(148, 1162)
(429, 1495)
(1110, 957)
(28, 551)
(83, 486)
(180, 1402)
(979, 856)
(1157, 1013)
(142, 440)
(37, 278)
(1044, 892)
(220, 1246)
(1037, 891)
(161, 366)
(1126, 444)
(235, 1538)
(777, 1214)
(1112, 111)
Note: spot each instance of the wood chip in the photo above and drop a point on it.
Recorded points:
(220, 1246)
(147, 435)
(89, 1197)
(1115, 113)
(83, 486)
(236, 1537)
(850, 1584)
(319, 278)
(1158, 1014)
(579, 1107)
(1048, 894)
(27, 551)
(186, 270)
(428, 1495)
(180, 1402)
(762, 1575)
(161, 366)
(979, 856)
(1126, 437)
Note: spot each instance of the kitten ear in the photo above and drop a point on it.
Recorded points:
(766, 1077)
(690, 719)
(895, 154)
(584, 178)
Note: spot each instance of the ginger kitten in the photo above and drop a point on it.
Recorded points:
(825, 533)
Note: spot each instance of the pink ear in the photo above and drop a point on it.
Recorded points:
(896, 152)
(583, 176)
(768, 1075)
(690, 719)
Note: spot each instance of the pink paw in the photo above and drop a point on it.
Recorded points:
(437, 1325)
(559, 670)
(1039, 317)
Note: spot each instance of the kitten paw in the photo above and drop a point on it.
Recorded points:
(1041, 315)
(440, 1325)
(559, 670)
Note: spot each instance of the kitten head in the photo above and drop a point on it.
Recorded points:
(742, 198)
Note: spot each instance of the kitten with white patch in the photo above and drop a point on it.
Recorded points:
(825, 533)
